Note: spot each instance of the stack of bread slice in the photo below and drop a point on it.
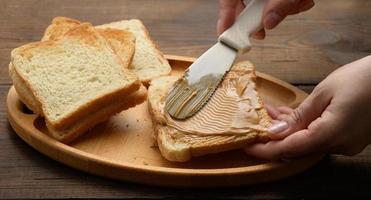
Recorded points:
(79, 75)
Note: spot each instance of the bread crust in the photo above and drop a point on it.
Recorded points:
(59, 27)
(24, 92)
(151, 42)
(122, 42)
(156, 48)
(102, 114)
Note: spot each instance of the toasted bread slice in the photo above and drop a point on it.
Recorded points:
(121, 41)
(79, 127)
(176, 145)
(148, 62)
(73, 81)
(59, 27)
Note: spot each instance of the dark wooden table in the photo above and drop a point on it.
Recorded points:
(302, 50)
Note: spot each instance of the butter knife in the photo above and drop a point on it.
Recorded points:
(191, 92)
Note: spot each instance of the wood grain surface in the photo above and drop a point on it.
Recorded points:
(302, 50)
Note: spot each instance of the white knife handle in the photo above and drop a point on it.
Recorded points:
(247, 23)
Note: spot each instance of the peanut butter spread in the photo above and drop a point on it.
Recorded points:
(232, 110)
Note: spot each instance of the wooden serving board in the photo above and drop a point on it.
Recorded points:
(123, 148)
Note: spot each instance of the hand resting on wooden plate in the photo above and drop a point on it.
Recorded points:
(335, 117)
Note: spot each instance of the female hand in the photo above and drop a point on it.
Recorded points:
(334, 118)
(274, 12)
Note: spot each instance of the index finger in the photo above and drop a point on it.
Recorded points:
(303, 142)
(227, 14)
(276, 10)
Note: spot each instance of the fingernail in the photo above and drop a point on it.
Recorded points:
(272, 20)
(278, 127)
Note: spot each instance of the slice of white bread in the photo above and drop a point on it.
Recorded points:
(148, 62)
(59, 27)
(76, 129)
(179, 146)
(74, 82)
(121, 41)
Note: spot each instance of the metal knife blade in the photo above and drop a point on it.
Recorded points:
(217, 60)
(200, 81)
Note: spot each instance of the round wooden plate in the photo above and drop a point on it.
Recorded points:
(123, 148)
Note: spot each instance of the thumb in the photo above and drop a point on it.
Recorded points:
(308, 111)
(227, 14)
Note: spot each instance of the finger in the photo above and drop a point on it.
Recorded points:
(272, 111)
(239, 8)
(276, 10)
(306, 5)
(309, 110)
(282, 117)
(294, 145)
(303, 142)
(227, 14)
(276, 112)
(285, 109)
(259, 35)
